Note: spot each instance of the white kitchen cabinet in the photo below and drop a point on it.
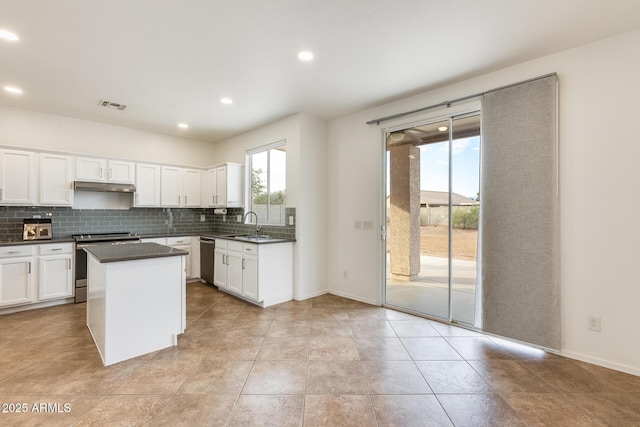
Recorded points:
(192, 188)
(147, 185)
(103, 170)
(180, 187)
(223, 186)
(121, 171)
(56, 180)
(183, 243)
(55, 274)
(262, 274)
(171, 186)
(17, 275)
(219, 267)
(91, 169)
(227, 265)
(250, 277)
(17, 177)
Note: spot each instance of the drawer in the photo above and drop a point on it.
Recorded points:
(13, 251)
(234, 245)
(221, 243)
(55, 248)
(250, 248)
(172, 241)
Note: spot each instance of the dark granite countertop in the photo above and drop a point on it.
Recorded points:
(132, 252)
(263, 240)
(68, 239)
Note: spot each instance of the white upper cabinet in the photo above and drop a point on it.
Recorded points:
(147, 185)
(90, 169)
(224, 186)
(180, 187)
(192, 188)
(121, 171)
(17, 177)
(171, 186)
(103, 170)
(56, 180)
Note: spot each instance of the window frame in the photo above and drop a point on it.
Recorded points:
(248, 174)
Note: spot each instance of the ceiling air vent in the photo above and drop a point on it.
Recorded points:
(112, 105)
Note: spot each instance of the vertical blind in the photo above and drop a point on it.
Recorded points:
(520, 213)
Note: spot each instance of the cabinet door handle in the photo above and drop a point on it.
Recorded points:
(29, 267)
(243, 263)
(100, 172)
(66, 195)
(185, 200)
(223, 259)
(110, 173)
(178, 199)
(56, 249)
(14, 252)
(68, 264)
(137, 198)
(1, 198)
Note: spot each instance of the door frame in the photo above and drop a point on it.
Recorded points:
(444, 113)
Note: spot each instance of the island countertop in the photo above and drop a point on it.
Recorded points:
(132, 251)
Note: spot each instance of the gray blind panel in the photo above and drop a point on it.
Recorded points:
(520, 213)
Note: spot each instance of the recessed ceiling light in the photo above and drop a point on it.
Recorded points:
(13, 89)
(443, 128)
(305, 55)
(8, 35)
(183, 125)
(226, 101)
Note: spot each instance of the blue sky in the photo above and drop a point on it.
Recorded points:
(434, 164)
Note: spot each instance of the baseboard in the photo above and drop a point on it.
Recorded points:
(353, 297)
(313, 295)
(601, 362)
(37, 305)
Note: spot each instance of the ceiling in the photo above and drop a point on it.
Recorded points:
(172, 61)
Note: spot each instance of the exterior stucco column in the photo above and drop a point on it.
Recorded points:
(404, 212)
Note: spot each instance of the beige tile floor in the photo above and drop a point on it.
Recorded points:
(325, 361)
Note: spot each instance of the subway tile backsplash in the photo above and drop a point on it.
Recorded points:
(67, 221)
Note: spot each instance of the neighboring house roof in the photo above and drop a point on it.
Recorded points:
(438, 198)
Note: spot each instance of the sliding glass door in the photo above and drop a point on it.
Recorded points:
(432, 215)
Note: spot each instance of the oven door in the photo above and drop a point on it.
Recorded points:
(81, 273)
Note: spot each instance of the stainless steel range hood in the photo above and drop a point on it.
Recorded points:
(107, 187)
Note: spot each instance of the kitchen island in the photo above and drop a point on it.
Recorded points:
(136, 298)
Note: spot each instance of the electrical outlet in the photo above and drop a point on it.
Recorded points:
(594, 323)
(202, 218)
(290, 219)
(239, 218)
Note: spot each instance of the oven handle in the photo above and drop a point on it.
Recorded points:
(84, 245)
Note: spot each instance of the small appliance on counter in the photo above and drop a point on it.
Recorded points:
(37, 229)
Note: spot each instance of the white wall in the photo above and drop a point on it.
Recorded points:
(306, 190)
(42, 131)
(598, 183)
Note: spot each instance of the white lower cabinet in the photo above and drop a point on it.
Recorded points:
(16, 281)
(185, 243)
(250, 277)
(55, 274)
(35, 273)
(262, 274)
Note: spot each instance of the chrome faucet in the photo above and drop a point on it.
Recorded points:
(258, 227)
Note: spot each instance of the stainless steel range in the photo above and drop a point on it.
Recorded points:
(84, 240)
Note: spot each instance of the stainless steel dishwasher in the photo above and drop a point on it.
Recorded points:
(207, 249)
